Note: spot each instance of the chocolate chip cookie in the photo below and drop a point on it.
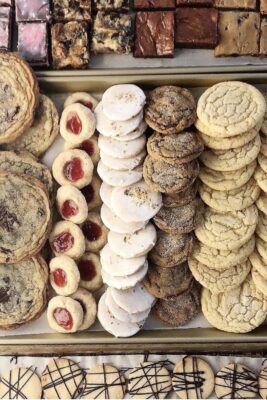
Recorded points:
(171, 250)
(166, 178)
(181, 219)
(181, 198)
(170, 109)
(25, 217)
(23, 292)
(175, 149)
(164, 282)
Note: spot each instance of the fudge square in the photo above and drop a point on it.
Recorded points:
(154, 4)
(194, 3)
(109, 5)
(5, 28)
(33, 42)
(70, 47)
(32, 10)
(196, 27)
(243, 4)
(71, 10)
(239, 33)
(112, 33)
(154, 34)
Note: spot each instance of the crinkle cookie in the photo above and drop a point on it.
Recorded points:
(227, 230)
(263, 150)
(19, 96)
(44, 130)
(227, 180)
(261, 229)
(239, 310)
(262, 203)
(218, 281)
(170, 109)
(264, 122)
(230, 108)
(223, 259)
(230, 160)
(262, 160)
(259, 280)
(261, 178)
(258, 262)
(230, 200)
(261, 247)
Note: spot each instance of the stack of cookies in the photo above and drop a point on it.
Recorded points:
(171, 168)
(229, 119)
(128, 206)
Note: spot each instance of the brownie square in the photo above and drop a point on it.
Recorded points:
(70, 47)
(5, 28)
(154, 4)
(239, 33)
(33, 42)
(196, 27)
(194, 3)
(71, 10)
(237, 4)
(263, 37)
(154, 34)
(263, 7)
(112, 33)
(111, 5)
(32, 10)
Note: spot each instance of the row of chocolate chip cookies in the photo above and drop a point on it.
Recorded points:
(171, 168)
(229, 119)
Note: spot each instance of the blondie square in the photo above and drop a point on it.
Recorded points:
(237, 4)
(71, 10)
(33, 42)
(111, 5)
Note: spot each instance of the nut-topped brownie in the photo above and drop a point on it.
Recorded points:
(5, 28)
(154, 34)
(154, 4)
(239, 33)
(32, 10)
(71, 10)
(191, 31)
(70, 45)
(33, 43)
(110, 5)
(236, 4)
(112, 33)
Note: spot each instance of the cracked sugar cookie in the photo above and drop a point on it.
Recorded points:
(261, 229)
(230, 108)
(239, 310)
(259, 280)
(261, 203)
(261, 177)
(227, 230)
(258, 262)
(261, 247)
(263, 162)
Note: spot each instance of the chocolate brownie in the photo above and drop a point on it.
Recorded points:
(263, 37)
(71, 10)
(242, 4)
(5, 28)
(192, 32)
(239, 33)
(109, 5)
(70, 45)
(33, 42)
(154, 4)
(263, 7)
(32, 10)
(154, 34)
(194, 3)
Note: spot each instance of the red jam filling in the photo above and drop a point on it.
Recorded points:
(60, 278)
(88, 192)
(74, 124)
(73, 170)
(87, 104)
(63, 318)
(69, 209)
(91, 231)
(87, 270)
(88, 147)
(62, 242)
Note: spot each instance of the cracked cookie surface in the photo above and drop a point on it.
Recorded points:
(261, 229)
(259, 263)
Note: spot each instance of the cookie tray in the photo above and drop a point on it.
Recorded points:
(154, 337)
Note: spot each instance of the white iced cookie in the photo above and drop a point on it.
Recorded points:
(137, 202)
(122, 102)
(84, 98)
(125, 282)
(105, 194)
(20, 383)
(67, 239)
(110, 128)
(71, 204)
(113, 325)
(90, 271)
(64, 275)
(114, 148)
(134, 134)
(77, 123)
(116, 178)
(117, 266)
(95, 232)
(88, 303)
(116, 224)
(133, 244)
(73, 167)
(91, 193)
(121, 314)
(90, 146)
(134, 300)
(123, 164)
(64, 314)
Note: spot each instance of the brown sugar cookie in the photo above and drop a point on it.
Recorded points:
(167, 178)
(181, 309)
(175, 149)
(180, 198)
(171, 250)
(181, 219)
(170, 109)
(164, 282)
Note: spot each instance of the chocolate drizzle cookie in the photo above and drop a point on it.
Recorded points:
(20, 383)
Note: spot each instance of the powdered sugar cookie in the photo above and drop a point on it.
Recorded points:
(71, 204)
(114, 148)
(134, 134)
(123, 164)
(125, 282)
(67, 239)
(119, 178)
(64, 314)
(105, 194)
(64, 275)
(116, 224)
(134, 300)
